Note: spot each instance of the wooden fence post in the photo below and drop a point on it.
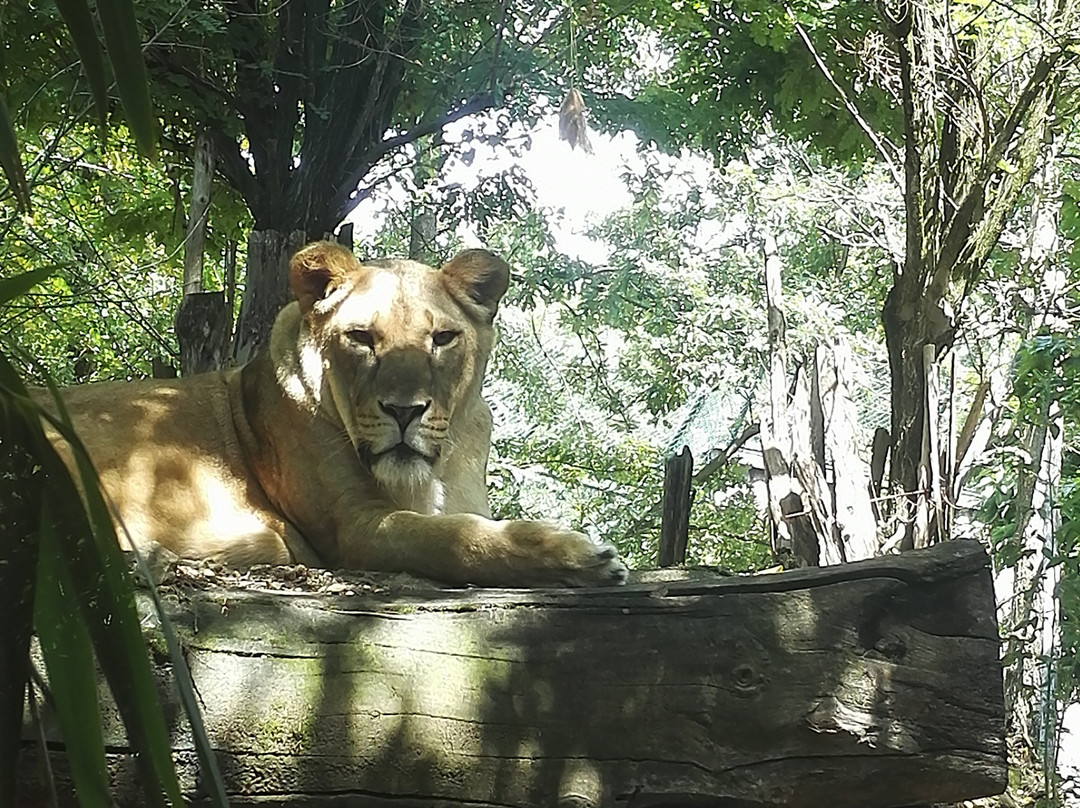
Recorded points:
(675, 522)
(928, 516)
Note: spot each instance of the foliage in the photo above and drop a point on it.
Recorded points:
(1026, 484)
(60, 566)
(1048, 370)
(1028, 507)
(326, 99)
(723, 71)
(117, 51)
(111, 226)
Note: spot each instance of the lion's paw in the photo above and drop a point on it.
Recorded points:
(550, 555)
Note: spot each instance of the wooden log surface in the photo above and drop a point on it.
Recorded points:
(875, 683)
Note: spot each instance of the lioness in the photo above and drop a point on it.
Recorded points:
(356, 439)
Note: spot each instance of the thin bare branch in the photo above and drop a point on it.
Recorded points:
(885, 149)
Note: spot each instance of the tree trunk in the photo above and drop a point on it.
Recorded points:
(801, 502)
(963, 176)
(855, 525)
(266, 290)
(912, 321)
(422, 236)
(794, 541)
(876, 683)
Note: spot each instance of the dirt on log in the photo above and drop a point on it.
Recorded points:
(875, 683)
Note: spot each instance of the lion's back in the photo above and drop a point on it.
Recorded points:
(168, 457)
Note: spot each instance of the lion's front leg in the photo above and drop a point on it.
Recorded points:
(464, 548)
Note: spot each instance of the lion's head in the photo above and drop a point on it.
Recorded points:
(394, 351)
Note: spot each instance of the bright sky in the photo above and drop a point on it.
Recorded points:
(582, 184)
(586, 187)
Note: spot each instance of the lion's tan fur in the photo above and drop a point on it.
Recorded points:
(358, 438)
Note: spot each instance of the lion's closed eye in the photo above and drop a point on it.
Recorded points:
(441, 339)
(362, 336)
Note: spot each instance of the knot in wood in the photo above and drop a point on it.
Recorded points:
(892, 648)
(747, 679)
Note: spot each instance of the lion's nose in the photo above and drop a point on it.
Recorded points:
(406, 414)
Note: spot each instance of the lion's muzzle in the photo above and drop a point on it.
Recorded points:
(404, 414)
(408, 446)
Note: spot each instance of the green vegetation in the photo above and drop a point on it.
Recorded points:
(916, 164)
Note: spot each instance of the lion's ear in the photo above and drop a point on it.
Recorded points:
(317, 269)
(479, 278)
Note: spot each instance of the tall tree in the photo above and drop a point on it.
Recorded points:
(971, 143)
(309, 102)
(958, 100)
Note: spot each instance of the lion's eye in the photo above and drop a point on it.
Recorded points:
(440, 339)
(362, 337)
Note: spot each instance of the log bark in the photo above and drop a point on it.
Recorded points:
(869, 684)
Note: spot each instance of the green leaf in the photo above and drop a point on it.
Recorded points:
(104, 533)
(80, 24)
(124, 45)
(19, 493)
(11, 288)
(11, 161)
(106, 597)
(69, 660)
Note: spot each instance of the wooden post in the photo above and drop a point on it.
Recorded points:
(344, 235)
(928, 515)
(203, 325)
(675, 521)
(867, 685)
(948, 463)
(817, 408)
(879, 456)
(202, 177)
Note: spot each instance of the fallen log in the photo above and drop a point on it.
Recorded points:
(875, 683)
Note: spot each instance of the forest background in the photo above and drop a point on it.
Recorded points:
(879, 146)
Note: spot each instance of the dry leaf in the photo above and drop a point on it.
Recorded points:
(572, 126)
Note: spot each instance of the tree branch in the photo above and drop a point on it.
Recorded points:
(235, 168)
(956, 240)
(886, 150)
(347, 196)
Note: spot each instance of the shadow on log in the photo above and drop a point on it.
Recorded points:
(874, 683)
